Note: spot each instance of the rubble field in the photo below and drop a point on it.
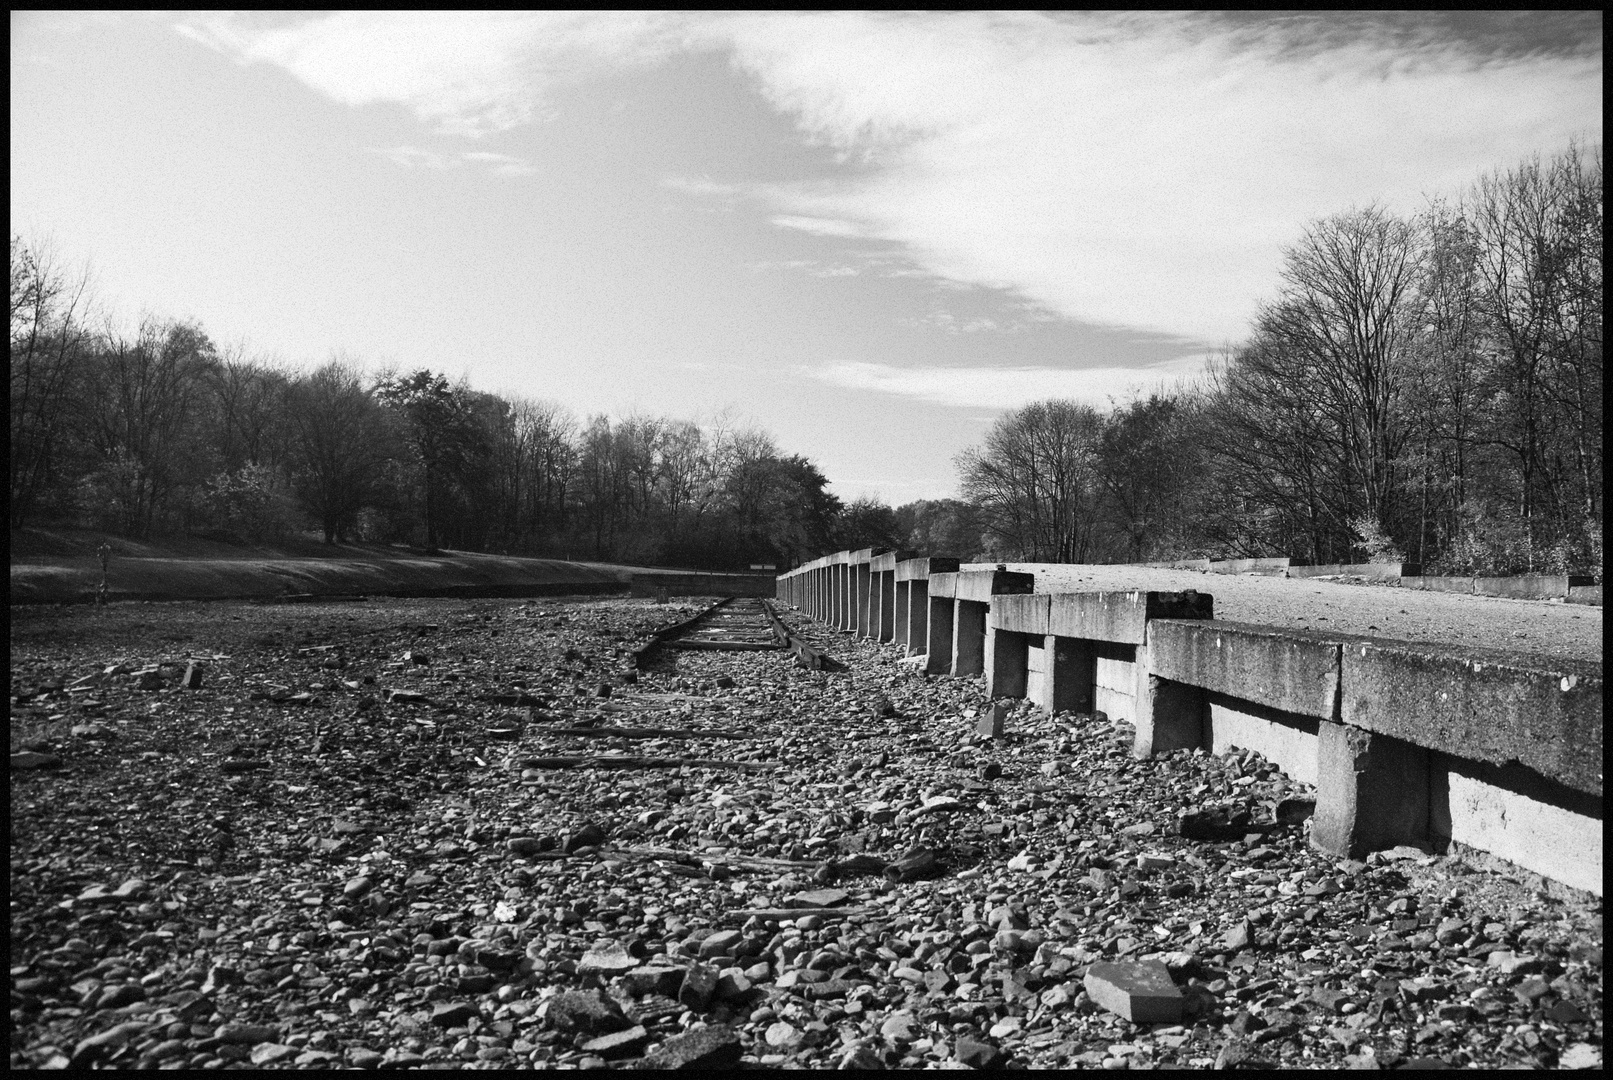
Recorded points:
(467, 834)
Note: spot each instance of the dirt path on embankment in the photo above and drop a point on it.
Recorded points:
(1569, 631)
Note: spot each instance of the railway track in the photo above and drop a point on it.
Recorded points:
(737, 624)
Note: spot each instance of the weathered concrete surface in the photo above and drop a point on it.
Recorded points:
(981, 585)
(1121, 616)
(968, 637)
(944, 584)
(938, 635)
(1296, 671)
(918, 616)
(1570, 630)
(1585, 594)
(1287, 740)
(1393, 571)
(1023, 614)
(1167, 715)
(1005, 659)
(1142, 993)
(1371, 792)
(1485, 706)
(923, 568)
(1519, 816)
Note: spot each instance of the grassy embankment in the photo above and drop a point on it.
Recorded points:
(61, 566)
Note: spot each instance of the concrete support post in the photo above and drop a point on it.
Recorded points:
(918, 616)
(848, 596)
(903, 592)
(969, 637)
(939, 636)
(1371, 792)
(863, 581)
(887, 605)
(1072, 675)
(1168, 715)
(1005, 657)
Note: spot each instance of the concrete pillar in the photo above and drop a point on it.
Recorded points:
(1371, 792)
(1072, 674)
(1168, 715)
(887, 606)
(969, 637)
(864, 588)
(918, 616)
(1005, 656)
(903, 592)
(939, 636)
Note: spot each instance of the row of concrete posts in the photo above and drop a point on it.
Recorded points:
(1406, 744)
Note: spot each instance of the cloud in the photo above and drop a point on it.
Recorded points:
(816, 226)
(1007, 388)
(465, 73)
(1136, 170)
(411, 157)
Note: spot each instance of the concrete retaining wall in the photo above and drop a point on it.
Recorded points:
(1405, 743)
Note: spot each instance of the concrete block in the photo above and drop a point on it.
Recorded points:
(918, 616)
(1287, 740)
(1462, 585)
(944, 584)
(982, 585)
(993, 723)
(939, 635)
(1371, 792)
(1530, 586)
(1142, 993)
(1006, 656)
(1295, 671)
(1585, 594)
(1167, 715)
(1070, 675)
(886, 562)
(911, 569)
(968, 637)
(901, 605)
(1121, 616)
(1483, 705)
(1023, 614)
(1391, 571)
(1517, 815)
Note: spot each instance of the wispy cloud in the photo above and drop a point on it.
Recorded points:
(411, 157)
(1007, 388)
(816, 225)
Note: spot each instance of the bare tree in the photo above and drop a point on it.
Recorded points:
(1036, 479)
(50, 338)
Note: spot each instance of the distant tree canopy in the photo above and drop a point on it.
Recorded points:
(1425, 388)
(158, 432)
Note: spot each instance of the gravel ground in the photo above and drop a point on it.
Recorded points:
(1547, 628)
(351, 846)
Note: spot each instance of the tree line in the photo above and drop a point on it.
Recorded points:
(157, 431)
(1424, 388)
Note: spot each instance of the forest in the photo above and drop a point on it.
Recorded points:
(1424, 388)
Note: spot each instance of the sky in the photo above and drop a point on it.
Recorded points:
(868, 233)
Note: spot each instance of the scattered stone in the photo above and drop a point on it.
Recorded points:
(618, 1044)
(707, 1048)
(1294, 811)
(607, 958)
(819, 898)
(268, 1053)
(29, 759)
(449, 1014)
(993, 724)
(590, 835)
(698, 986)
(246, 1034)
(588, 1012)
(1142, 993)
(916, 864)
(977, 1054)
